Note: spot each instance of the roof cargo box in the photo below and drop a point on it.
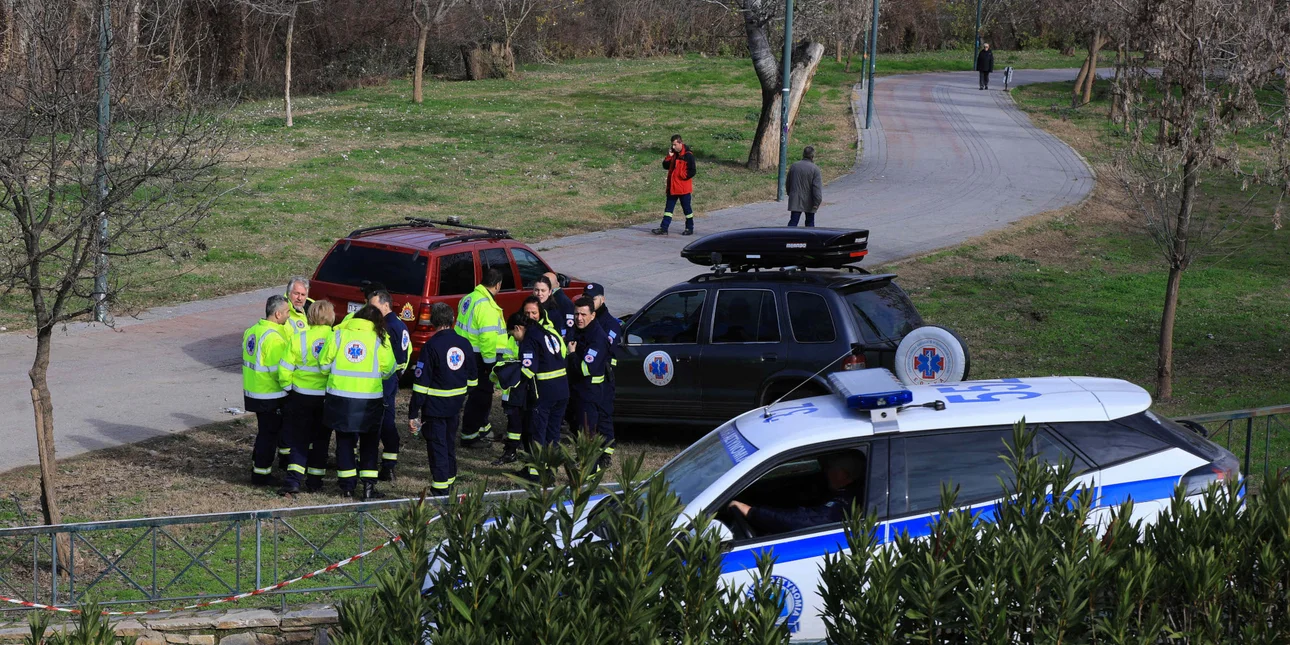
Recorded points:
(780, 246)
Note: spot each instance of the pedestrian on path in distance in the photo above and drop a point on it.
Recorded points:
(303, 427)
(805, 188)
(679, 164)
(444, 373)
(985, 65)
(263, 347)
(357, 359)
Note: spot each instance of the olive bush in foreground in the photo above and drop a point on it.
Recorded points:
(1040, 573)
(527, 571)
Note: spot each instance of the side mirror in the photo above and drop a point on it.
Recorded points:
(562, 279)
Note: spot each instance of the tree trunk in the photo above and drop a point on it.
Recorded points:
(848, 61)
(43, 406)
(1079, 83)
(243, 43)
(765, 147)
(286, 91)
(1115, 87)
(837, 51)
(1177, 264)
(419, 75)
(1094, 47)
(7, 46)
(132, 11)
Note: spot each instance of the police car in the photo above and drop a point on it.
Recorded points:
(907, 440)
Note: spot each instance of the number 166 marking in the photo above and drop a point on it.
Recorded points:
(986, 392)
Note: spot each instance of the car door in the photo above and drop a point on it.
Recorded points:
(510, 296)
(970, 459)
(658, 375)
(745, 347)
(799, 555)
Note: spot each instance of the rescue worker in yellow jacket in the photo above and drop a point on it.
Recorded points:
(302, 374)
(357, 358)
(263, 346)
(480, 322)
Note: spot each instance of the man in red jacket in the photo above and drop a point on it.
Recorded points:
(679, 164)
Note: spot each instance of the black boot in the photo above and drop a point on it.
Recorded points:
(508, 457)
(370, 492)
(289, 488)
(606, 460)
(659, 231)
(346, 494)
(386, 474)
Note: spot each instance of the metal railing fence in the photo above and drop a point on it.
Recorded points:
(1259, 435)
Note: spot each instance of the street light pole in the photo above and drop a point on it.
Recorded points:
(100, 165)
(784, 95)
(976, 51)
(873, 53)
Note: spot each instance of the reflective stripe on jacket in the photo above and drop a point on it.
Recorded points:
(300, 370)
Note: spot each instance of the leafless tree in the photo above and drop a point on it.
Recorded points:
(287, 9)
(161, 159)
(1210, 61)
(427, 14)
(504, 20)
(758, 15)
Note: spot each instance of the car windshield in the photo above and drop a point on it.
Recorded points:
(703, 463)
(883, 312)
(401, 272)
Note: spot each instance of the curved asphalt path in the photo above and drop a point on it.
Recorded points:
(945, 162)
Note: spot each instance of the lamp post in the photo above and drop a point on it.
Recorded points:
(784, 95)
(873, 53)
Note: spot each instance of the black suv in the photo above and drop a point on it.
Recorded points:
(744, 335)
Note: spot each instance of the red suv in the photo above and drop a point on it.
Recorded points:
(422, 262)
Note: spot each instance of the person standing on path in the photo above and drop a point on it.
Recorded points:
(805, 188)
(445, 372)
(985, 65)
(679, 164)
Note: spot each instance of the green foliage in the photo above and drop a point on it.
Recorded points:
(1051, 569)
(531, 570)
(91, 628)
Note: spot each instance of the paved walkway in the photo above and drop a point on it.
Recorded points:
(944, 163)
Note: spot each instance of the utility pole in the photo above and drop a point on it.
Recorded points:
(784, 94)
(976, 51)
(100, 162)
(873, 54)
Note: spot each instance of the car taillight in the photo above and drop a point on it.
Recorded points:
(423, 316)
(854, 362)
(1225, 468)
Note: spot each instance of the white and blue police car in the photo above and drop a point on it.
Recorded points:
(902, 442)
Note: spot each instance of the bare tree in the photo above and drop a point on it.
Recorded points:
(162, 163)
(287, 9)
(427, 14)
(503, 20)
(1210, 61)
(757, 16)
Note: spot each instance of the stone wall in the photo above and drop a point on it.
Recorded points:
(305, 625)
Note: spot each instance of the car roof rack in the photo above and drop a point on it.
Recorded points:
(779, 247)
(421, 222)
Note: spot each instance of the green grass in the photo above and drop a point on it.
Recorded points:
(957, 60)
(560, 149)
(1082, 293)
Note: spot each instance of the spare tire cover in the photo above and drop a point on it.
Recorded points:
(931, 355)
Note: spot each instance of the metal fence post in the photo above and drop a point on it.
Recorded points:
(259, 534)
(1249, 435)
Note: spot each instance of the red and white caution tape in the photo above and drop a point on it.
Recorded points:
(242, 596)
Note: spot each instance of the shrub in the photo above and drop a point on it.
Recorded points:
(529, 571)
(91, 628)
(1040, 573)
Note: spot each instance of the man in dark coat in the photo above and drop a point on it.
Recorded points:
(805, 188)
(985, 65)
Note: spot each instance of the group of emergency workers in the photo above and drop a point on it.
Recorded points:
(306, 376)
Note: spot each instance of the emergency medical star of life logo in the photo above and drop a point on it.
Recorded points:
(318, 347)
(456, 358)
(929, 363)
(658, 368)
(790, 601)
(355, 351)
(250, 344)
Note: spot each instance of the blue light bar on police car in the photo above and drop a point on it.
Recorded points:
(871, 389)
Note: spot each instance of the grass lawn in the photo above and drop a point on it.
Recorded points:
(561, 149)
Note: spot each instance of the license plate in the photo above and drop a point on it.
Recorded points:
(354, 306)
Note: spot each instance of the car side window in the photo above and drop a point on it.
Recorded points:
(456, 274)
(745, 316)
(531, 267)
(804, 492)
(497, 259)
(809, 316)
(673, 319)
(970, 460)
